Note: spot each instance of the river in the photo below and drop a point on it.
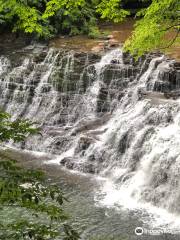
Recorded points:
(88, 209)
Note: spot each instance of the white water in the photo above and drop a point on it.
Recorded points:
(131, 140)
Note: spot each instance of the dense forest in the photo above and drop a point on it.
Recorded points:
(45, 19)
(63, 18)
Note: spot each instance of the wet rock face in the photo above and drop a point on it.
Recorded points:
(67, 162)
(72, 95)
(103, 114)
(169, 80)
(83, 144)
(124, 143)
(71, 163)
(10, 42)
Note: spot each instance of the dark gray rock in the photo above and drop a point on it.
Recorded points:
(83, 144)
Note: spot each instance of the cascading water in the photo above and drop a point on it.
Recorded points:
(107, 115)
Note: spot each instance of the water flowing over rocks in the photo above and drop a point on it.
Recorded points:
(107, 115)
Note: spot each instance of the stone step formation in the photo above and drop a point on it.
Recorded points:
(101, 113)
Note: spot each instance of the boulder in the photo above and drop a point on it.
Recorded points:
(97, 49)
(67, 162)
(83, 144)
(89, 168)
(101, 44)
(113, 43)
(110, 37)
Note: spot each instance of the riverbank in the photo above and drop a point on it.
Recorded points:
(120, 32)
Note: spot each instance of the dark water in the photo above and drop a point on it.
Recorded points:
(93, 220)
(96, 221)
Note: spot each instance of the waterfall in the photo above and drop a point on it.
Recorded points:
(108, 115)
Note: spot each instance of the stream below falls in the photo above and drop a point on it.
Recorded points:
(88, 209)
